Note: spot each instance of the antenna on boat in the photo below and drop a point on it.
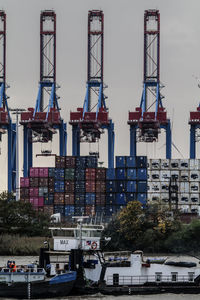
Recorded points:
(80, 222)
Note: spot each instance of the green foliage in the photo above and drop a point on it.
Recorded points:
(20, 218)
(152, 230)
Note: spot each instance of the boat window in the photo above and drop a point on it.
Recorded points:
(63, 233)
(191, 276)
(174, 276)
(158, 276)
(115, 279)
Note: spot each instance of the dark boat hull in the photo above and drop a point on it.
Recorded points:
(36, 289)
(151, 289)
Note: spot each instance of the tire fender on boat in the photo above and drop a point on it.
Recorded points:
(94, 245)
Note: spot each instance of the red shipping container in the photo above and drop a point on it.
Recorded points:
(100, 199)
(43, 182)
(100, 186)
(90, 174)
(41, 201)
(59, 198)
(26, 182)
(48, 209)
(90, 186)
(33, 182)
(51, 182)
(24, 192)
(33, 192)
(22, 182)
(89, 210)
(70, 162)
(51, 189)
(69, 199)
(34, 201)
(101, 174)
(69, 186)
(34, 172)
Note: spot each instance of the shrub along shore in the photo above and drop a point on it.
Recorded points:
(20, 245)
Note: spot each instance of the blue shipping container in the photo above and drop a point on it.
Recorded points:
(121, 173)
(110, 186)
(131, 186)
(51, 172)
(121, 186)
(142, 174)
(121, 199)
(59, 209)
(131, 197)
(131, 162)
(111, 198)
(91, 162)
(110, 210)
(69, 210)
(142, 197)
(110, 173)
(79, 210)
(120, 161)
(141, 162)
(90, 198)
(131, 174)
(142, 186)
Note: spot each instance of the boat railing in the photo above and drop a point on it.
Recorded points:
(22, 270)
(134, 280)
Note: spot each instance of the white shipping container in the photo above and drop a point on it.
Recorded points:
(184, 187)
(194, 198)
(184, 197)
(155, 197)
(174, 164)
(185, 208)
(184, 176)
(165, 175)
(155, 175)
(184, 164)
(165, 197)
(155, 164)
(194, 164)
(194, 187)
(194, 209)
(175, 174)
(194, 175)
(165, 164)
(164, 186)
(154, 187)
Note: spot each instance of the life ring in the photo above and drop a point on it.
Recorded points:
(94, 245)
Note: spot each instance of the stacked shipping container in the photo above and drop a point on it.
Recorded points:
(76, 186)
(187, 174)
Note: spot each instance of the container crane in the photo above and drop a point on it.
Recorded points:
(43, 121)
(194, 123)
(148, 119)
(89, 121)
(6, 124)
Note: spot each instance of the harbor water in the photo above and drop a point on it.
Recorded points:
(29, 259)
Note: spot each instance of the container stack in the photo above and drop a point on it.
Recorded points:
(76, 186)
(187, 174)
(128, 182)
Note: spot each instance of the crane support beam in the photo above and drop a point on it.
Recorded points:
(43, 121)
(6, 125)
(148, 119)
(89, 121)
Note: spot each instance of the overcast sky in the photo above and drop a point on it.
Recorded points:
(123, 71)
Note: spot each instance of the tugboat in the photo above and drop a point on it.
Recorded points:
(132, 274)
(34, 282)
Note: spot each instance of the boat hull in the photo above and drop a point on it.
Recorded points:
(35, 290)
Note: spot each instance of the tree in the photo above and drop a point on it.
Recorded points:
(19, 217)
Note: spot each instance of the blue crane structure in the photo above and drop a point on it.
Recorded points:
(6, 124)
(194, 123)
(89, 121)
(41, 122)
(148, 119)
